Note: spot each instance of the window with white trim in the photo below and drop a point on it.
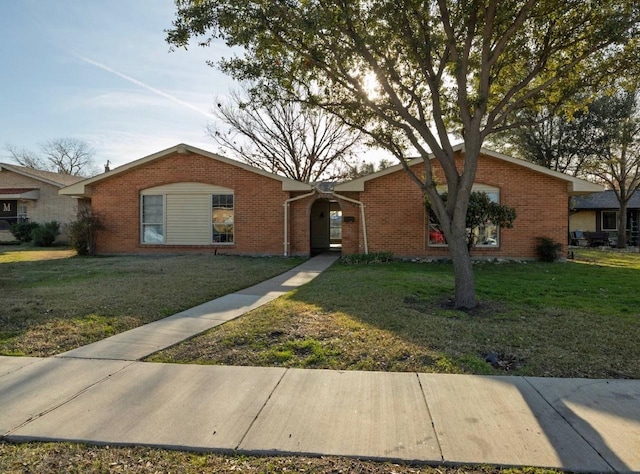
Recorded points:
(609, 220)
(222, 218)
(152, 219)
(486, 235)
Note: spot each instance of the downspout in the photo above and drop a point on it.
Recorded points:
(364, 222)
(286, 219)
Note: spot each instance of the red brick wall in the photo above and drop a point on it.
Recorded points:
(300, 229)
(258, 216)
(299, 234)
(395, 215)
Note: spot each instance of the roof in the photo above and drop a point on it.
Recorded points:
(82, 188)
(575, 185)
(56, 179)
(604, 200)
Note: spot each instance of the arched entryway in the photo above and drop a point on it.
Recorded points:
(325, 226)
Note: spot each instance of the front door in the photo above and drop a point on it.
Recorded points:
(320, 226)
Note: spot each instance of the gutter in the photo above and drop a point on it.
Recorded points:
(286, 218)
(364, 222)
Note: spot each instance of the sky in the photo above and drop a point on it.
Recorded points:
(101, 71)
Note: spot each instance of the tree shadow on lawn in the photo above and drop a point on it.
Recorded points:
(536, 314)
(532, 319)
(397, 317)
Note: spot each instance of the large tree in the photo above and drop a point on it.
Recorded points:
(600, 140)
(616, 155)
(555, 139)
(62, 155)
(281, 135)
(412, 74)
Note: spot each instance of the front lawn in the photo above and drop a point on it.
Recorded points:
(51, 301)
(574, 319)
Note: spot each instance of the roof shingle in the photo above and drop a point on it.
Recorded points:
(604, 200)
(58, 178)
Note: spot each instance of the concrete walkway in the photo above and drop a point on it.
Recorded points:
(103, 395)
(140, 342)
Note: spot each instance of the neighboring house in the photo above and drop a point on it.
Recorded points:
(598, 212)
(186, 199)
(27, 194)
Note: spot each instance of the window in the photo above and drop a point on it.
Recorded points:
(485, 235)
(187, 213)
(609, 220)
(222, 218)
(153, 219)
(335, 225)
(436, 236)
(22, 211)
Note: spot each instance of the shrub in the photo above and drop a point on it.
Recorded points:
(83, 232)
(547, 249)
(45, 234)
(359, 258)
(22, 231)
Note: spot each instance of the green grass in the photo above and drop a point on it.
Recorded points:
(577, 319)
(54, 305)
(76, 458)
(574, 319)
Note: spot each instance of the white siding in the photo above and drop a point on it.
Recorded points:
(188, 213)
(583, 220)
(188, 219)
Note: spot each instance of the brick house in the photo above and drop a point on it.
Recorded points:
(185, 199)
(32, 195)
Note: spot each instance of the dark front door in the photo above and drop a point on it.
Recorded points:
(320, 228)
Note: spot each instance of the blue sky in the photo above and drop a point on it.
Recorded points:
(102, 72)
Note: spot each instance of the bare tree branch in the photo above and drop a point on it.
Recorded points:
(61, 155)
(284, 136)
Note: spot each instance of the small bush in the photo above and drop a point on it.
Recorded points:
(547, 249)
(22, 231)
(83, 232)
(360, 258)
(45, 234)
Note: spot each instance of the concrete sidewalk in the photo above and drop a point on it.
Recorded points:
(101, 394)
(573, 424)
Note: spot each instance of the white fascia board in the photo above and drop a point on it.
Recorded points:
(82, 188)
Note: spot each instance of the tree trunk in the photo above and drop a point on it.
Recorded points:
(465, 295)
(622, 226)
(465, 288)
